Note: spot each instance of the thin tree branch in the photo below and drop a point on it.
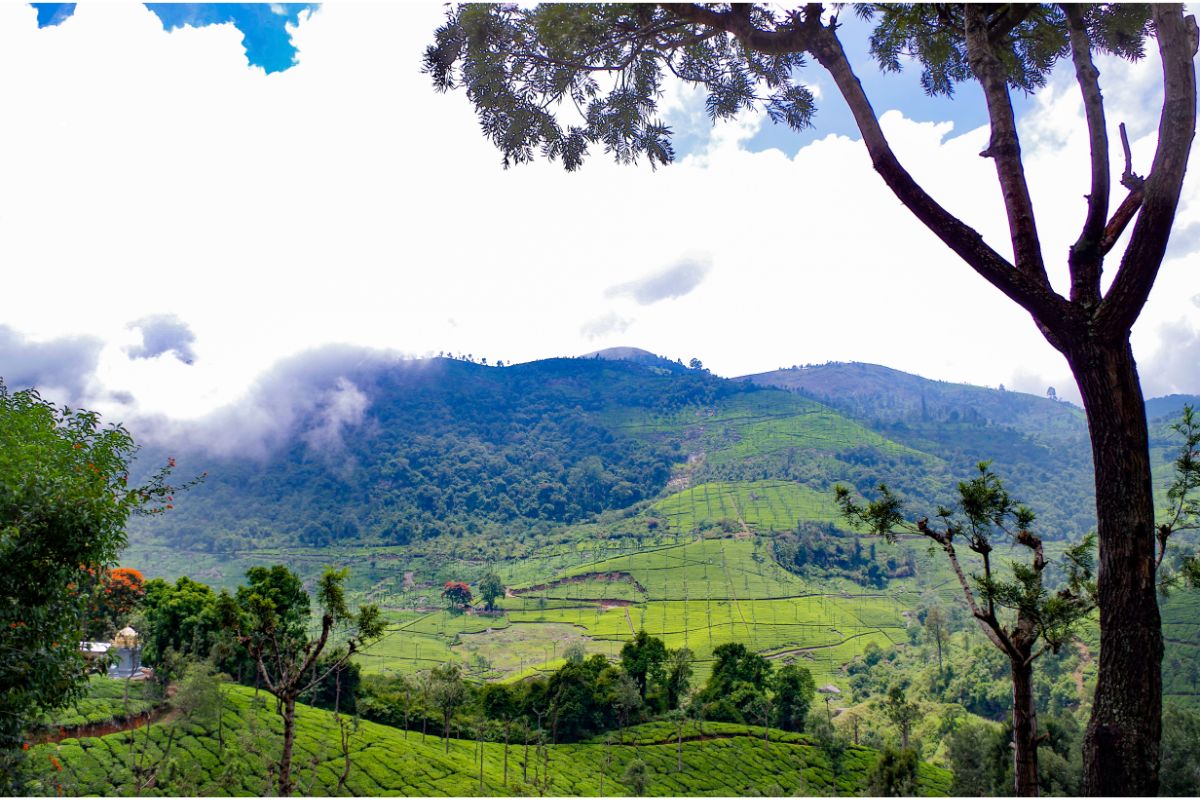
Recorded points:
(1007, 20)
(987, 576)
(1004, 146)
(326, 627)
(1120, 220)
(987, 622)
(1087, 254)
(1177, 43)
(1035, 654)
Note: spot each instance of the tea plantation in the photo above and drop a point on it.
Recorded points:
(233, 755)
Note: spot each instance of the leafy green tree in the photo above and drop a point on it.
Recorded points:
(936, 628)
(182, 617)
(270, 617)
(737, 685)
(1033, 615)
(636, 777)
(575, 652)
(65, 498)
(1183, 503)
(984, 512)
(499, 705)
(534, 77)
(447, 691)
(1181, 743)
(794, 691)
(902, 712)
(642, 658)
(338, 686)
(491, 589)
(894, 774)
(677, 676)
(283, 590)
(979, 759)
(735, 663)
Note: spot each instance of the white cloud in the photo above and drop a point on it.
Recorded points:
(674, 281)
(343, 200)
(605, 325)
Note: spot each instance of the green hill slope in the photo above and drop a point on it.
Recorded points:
(186, 757)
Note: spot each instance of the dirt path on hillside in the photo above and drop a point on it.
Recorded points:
(801, 650)
(706, 737)
(629, 619)
(609, 577)
(162, 713)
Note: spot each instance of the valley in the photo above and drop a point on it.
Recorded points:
(612, 498)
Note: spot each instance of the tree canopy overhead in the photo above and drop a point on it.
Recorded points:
(559, 81)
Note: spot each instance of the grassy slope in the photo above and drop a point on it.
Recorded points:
(386, 762)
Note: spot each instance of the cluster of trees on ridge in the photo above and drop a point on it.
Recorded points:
(817, 548)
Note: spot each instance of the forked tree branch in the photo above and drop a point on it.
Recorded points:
(1028, 287)
(1004, 146)
(1046, 307)
(987, 621)
(794, 38)
(1177, 40)
(1086, 257)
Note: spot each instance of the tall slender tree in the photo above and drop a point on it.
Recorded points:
(270, 617)
(1039, 619)
(557, 80)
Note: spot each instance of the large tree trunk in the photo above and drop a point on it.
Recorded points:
(1025, 760)
(289, 738)
(1121, 749)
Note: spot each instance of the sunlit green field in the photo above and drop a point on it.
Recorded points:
(190, 757)
(699, 595)
(761, 505)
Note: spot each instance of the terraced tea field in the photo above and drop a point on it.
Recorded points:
(189, 757)
(746, 427)
(697, 595)
(759, 505)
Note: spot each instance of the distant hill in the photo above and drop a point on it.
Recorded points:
(1040, 446)
(1168, 409)
(442, 446)
(889, 395)
(636, 355)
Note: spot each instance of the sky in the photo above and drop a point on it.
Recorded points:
(196, 200)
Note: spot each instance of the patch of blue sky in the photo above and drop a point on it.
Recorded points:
(886, 91)
(51, 14)
(263, 26)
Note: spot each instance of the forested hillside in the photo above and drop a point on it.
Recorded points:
(452, 447)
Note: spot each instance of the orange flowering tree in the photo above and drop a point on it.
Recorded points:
(457, 593)
(111, 597)
(65, 497)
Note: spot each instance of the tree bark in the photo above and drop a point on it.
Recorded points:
(289, 738)
(1121, 747)
(1025, 760)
